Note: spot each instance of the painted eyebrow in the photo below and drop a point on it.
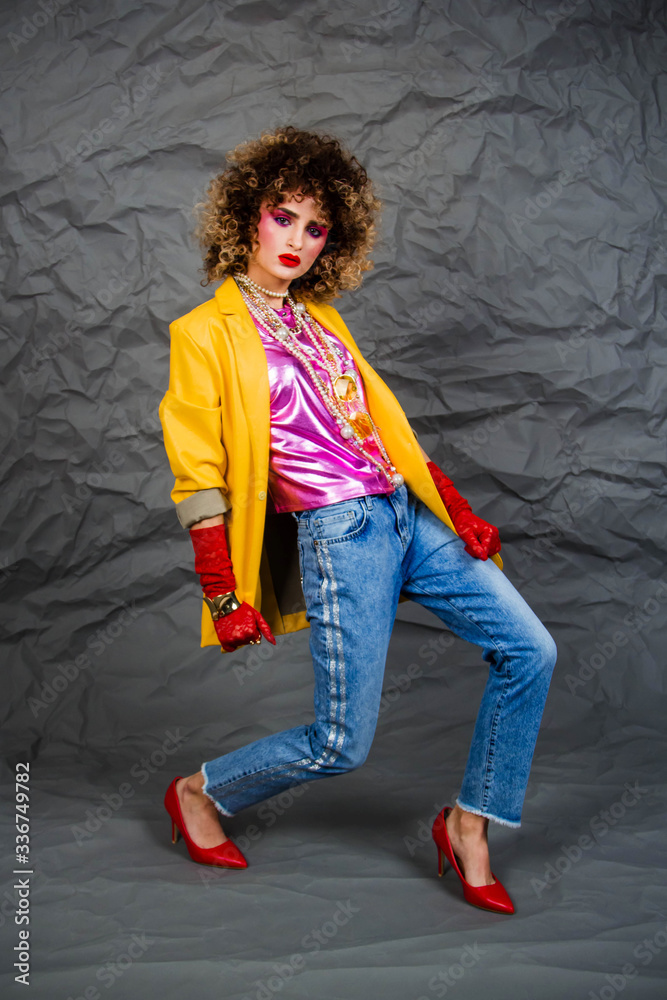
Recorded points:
(295, 215)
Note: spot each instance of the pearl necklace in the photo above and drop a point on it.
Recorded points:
(324, 349)
(258, 288)
(332, 360)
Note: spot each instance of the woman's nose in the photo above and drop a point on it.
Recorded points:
(296, 239)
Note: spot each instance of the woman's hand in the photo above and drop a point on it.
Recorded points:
(240, 627)
(482, 539)
(212, 562)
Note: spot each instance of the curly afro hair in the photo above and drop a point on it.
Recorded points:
(276, 166)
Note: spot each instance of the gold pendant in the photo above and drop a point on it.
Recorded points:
(345, 388)
(362, 424)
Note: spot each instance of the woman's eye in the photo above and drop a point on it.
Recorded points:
(281, 219)
(314, 231)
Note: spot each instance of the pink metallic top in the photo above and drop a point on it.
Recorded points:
(310, 463)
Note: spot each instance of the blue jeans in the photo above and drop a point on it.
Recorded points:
(356, 558)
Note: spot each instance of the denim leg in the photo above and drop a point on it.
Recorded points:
(350, 556)
(477, 602)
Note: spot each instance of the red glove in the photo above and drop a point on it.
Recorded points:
(214, 566)
(482, 539)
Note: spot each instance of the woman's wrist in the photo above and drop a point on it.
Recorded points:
(222, 605)
(212, 560)
(208, 522)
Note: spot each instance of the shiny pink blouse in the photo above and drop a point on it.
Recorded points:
(310, 463)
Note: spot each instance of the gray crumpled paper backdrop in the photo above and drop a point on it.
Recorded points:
(517, 309)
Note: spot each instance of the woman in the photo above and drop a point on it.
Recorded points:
(310, 503)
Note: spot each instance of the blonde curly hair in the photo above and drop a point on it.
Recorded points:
(280, 164)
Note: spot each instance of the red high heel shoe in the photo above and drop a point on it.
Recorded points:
(487, 897)
(226, 855)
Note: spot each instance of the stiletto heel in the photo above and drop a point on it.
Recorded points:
(226, 855)
(486, 897)
(442, 863)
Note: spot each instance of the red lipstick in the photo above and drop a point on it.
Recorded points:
(289, 259)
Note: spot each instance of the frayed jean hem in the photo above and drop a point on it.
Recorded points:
(221, 809)
(488, 815)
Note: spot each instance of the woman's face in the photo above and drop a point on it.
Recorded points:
(290, 237)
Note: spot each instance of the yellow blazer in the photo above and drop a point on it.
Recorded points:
(215, 418)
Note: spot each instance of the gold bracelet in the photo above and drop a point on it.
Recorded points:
(222, 605)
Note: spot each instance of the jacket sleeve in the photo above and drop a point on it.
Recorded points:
(190, 415)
